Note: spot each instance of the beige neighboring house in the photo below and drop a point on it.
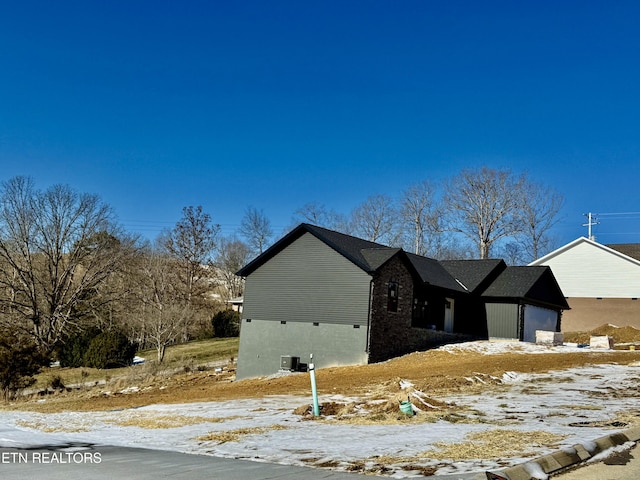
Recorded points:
(236, 304)
(601, 283)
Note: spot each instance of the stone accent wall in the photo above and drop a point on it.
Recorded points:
(391, 333)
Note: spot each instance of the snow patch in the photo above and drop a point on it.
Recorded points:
(563, 400)
(535, 471)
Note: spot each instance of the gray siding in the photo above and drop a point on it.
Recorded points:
(263, 342)
(308, 282)
(503, 320)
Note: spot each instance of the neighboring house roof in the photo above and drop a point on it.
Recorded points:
(629, 249)
(474, 274)
(581, 266)
(585, 241)
(529, 283)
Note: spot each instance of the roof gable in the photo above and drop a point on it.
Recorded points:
(376, 257)
(346, 245)
(465, 276)
(475, 275)
(434, 273)
(368, 256)
(528, 283)
(583, 242)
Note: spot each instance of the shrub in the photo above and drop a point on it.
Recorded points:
(110, 349)
(71, 353)
(20, 360)
(226, 324)
(56, 383)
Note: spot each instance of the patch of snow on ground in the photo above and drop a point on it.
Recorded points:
(576, 403)
(494, 347)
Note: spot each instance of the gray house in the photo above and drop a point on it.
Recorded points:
(349, 301)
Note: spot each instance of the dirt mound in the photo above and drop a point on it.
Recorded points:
(620, 335)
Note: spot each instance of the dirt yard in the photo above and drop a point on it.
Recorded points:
(435, 372)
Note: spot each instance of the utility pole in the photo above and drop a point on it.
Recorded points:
(591, 221)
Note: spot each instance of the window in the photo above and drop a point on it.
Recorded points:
(419, 316)
(392, 296)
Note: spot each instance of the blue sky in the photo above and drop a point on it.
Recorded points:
(159, 105)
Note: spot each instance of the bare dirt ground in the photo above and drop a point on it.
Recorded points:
(433, 372)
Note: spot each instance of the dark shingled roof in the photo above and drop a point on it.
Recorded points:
(433, 273)
(534, 283)
(376, 257)
(346, 245)
(529, 283)
(473, 273)
(369, 256)
(629, 249)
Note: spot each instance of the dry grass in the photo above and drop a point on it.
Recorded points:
(69, 426)
(235, 435)
(487, 445)
(581, 407)
(491, 444)
(153, 420)
(193, 356)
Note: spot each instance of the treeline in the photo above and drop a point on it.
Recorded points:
(478, 213)
(75, 286)
(69, 272)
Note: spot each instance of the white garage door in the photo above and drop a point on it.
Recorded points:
(537, 318)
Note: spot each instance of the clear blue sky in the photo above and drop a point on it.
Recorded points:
(156, 105)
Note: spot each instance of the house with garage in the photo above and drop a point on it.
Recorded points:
(522, 300)
(349, 301)
(601, 283)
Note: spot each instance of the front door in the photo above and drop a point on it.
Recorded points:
(448, 315)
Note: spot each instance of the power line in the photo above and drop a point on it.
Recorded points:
(620, 213)
(593, 219)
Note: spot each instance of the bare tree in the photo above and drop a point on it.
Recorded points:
(538, 214)
(192, 244)
(317, 214)
(376, 219)
(163, 314)
(57, 247)
(511, 252)
(420, 216)
(483, 206)
(256, 229)
(232, 256)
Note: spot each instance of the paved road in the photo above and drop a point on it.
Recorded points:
(105, 462)
(619, 466)
(86, 461)
(79, 460)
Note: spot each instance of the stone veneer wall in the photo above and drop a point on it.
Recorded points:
(391, 333)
